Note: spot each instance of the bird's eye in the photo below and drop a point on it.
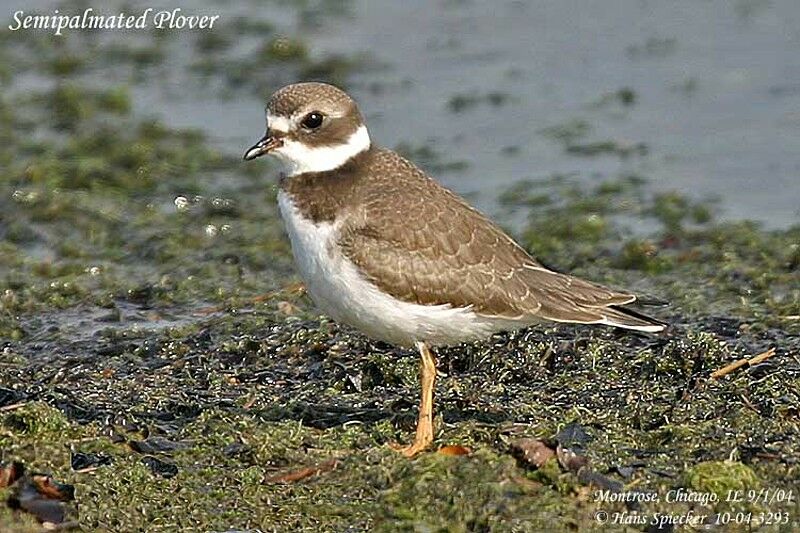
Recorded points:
(312, 121)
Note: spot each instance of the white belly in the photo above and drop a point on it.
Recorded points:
(340, 291)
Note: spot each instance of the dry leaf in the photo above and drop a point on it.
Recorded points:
(10, 473)
(454, 449)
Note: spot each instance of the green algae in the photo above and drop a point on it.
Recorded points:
(721, 477)
(283, 49)
(36, 420)
(264, 58)
(460, 103)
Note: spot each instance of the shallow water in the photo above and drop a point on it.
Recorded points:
(716, 83)
(717, 89)
(713, 90)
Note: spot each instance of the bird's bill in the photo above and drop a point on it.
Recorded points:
(264, 146)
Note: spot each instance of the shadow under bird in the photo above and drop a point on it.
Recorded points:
(386, 249)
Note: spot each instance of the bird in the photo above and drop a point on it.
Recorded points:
(384, 248)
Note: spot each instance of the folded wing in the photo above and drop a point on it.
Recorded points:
(454, 255)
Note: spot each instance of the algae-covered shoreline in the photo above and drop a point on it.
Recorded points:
(148, 318)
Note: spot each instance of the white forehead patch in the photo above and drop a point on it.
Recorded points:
(300, 158)
(278, 123)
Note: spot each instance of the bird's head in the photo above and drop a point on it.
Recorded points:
(312, 127)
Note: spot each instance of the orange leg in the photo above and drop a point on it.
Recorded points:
(424, 435)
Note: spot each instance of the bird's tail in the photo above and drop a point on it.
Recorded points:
(623, 317)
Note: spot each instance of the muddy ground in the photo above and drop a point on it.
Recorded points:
(156, 355)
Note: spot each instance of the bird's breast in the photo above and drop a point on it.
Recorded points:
(341, 291)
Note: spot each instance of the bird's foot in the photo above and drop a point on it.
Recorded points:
(410, 450)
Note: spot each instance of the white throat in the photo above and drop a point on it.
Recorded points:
(300, 158)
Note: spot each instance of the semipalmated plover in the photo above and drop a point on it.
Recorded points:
(384, 248)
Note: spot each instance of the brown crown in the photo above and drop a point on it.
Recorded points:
(303, 96)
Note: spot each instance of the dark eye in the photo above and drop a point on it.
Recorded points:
(312, 121)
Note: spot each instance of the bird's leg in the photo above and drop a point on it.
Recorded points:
(427, 373)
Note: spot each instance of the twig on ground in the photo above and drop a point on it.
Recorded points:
(303, 473)
(751, 361)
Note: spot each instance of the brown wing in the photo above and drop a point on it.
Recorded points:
(449, 253)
